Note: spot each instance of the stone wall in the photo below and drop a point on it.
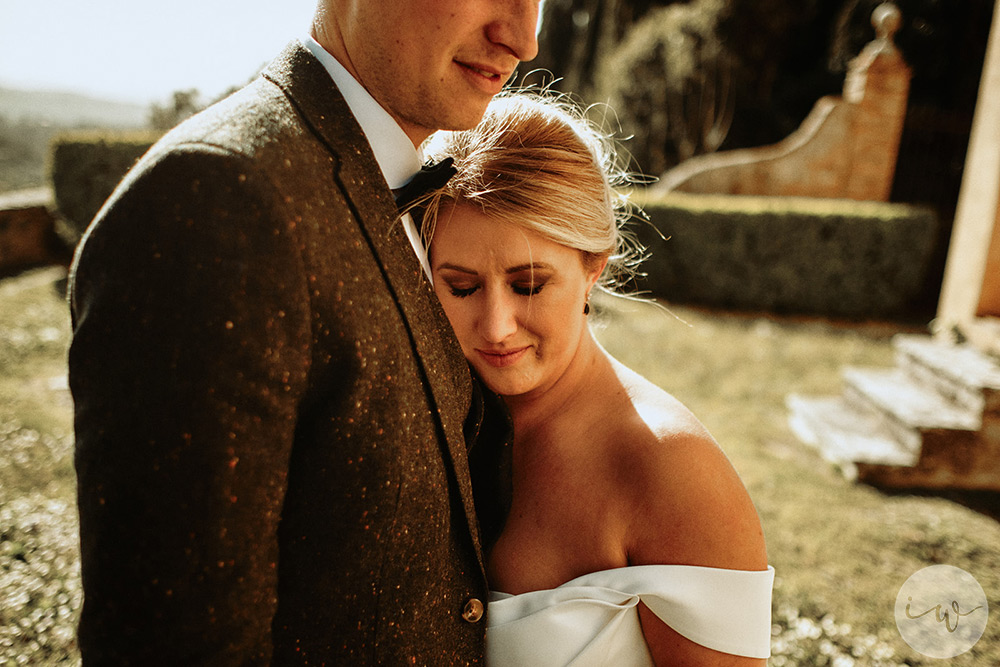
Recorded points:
(28, 234)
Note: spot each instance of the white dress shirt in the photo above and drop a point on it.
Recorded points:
(396, 155)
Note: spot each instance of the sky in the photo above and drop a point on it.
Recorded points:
(141, 51)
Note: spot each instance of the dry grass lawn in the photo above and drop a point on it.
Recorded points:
(841, 550)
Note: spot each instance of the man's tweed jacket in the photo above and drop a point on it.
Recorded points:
(269, 403)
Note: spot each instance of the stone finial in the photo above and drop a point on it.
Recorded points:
(886, 20)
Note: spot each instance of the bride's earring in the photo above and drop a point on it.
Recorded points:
(586, 306)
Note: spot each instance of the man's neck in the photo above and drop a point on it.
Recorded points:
(394, 150)
(333, 43)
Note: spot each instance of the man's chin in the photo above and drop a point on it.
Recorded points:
(464, 116)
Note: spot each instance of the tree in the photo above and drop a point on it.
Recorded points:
(185, 104)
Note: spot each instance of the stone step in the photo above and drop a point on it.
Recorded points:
(959, 372)
(844, 435)
(983, 333)
(906, 408)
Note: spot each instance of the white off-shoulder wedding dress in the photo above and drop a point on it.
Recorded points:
(594, 619)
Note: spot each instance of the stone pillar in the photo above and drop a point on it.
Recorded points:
(878, 84)
(971, 288)
(989, 297)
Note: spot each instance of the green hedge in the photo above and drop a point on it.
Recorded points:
(86, 167)
(832, 257)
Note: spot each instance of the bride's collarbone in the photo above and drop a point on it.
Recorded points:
(564, 465)
(586, 427)
(581, 469)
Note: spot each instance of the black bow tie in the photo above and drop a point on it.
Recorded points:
(430, 177)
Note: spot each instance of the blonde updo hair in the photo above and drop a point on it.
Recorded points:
(537, 162)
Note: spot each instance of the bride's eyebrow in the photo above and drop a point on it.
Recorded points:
(541, 266)
(456, 267)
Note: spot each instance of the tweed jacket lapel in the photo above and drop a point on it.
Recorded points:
(436, 349)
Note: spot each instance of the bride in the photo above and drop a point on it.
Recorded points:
(631, 540)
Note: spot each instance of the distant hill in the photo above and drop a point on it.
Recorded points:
(62, 109)
(29, 120)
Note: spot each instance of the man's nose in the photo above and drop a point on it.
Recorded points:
(516, 28)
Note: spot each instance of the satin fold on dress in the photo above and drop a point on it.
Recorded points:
(594, 619)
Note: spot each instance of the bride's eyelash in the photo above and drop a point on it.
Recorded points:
(528, 290)
(520, 290)
(462, 292)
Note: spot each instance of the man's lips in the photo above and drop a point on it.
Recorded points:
(493, 77)
(502, 358)
(488, 71)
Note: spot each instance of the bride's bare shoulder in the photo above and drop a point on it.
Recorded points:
(687, 503)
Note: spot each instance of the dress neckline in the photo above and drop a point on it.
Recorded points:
(600, 578)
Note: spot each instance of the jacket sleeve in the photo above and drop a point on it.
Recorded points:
(189, 359)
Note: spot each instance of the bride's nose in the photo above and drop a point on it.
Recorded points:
(498, 319)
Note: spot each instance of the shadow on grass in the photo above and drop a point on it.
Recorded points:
(986, 503)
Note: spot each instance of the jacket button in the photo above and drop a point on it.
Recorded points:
(473, 610)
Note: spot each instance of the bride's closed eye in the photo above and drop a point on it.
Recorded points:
(527, 289)
(462, 292)
(521, 289)
(529, 281)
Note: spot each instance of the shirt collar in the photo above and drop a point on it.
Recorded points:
(394, 152)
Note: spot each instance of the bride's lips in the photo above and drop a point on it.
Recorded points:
(485, 77)
(502, 358)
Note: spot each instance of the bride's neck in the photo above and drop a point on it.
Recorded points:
(543, 406)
